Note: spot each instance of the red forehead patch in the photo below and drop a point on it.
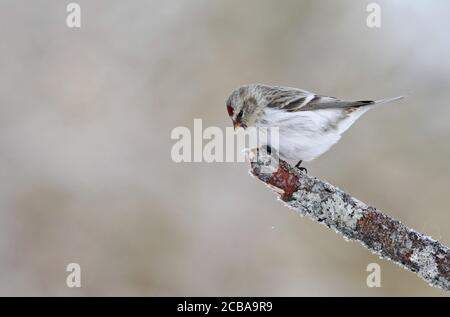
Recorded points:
(230, 110)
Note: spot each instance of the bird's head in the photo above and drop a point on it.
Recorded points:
(243, 106)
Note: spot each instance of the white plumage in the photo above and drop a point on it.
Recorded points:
(305, 135)
(308, 124)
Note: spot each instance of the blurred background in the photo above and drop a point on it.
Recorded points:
(86, 174)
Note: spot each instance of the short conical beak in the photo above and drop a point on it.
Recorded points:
(236, 125)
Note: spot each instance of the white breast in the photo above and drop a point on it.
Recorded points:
(304, 135)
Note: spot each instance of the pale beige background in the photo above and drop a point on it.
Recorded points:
(85, 120)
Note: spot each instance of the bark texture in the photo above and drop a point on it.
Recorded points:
(355, 220)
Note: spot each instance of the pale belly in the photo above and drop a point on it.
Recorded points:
(295, 146)
(308, 134)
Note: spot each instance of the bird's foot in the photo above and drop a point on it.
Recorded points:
(266, 148)
(301, 168)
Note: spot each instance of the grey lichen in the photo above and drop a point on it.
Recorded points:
(328, 205)
(424, 259)
(384, 236)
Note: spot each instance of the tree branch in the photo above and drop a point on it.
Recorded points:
(355, 220)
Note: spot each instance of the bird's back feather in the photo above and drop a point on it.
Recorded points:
(292, 100)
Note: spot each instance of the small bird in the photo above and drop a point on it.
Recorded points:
(309, 124)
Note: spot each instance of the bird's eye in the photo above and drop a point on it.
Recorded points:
(239, 116)
(230, 110)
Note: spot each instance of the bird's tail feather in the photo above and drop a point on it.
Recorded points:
(371, 103)
(383, 101)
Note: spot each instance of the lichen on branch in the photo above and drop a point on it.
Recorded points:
(355, 220)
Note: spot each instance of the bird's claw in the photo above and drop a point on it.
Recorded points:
(302, 169)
